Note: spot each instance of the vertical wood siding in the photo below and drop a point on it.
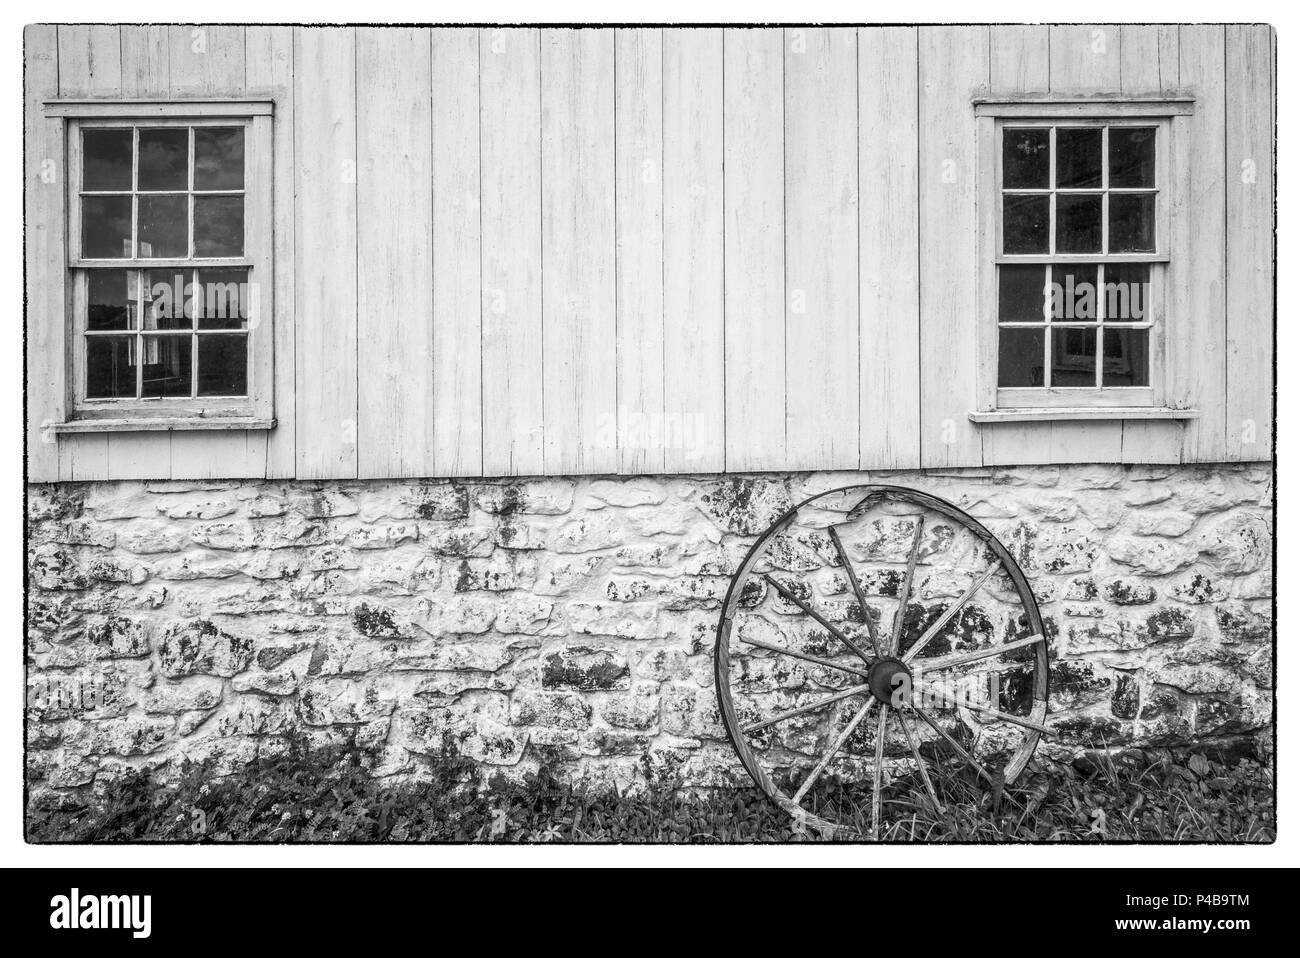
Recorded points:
(523, 251)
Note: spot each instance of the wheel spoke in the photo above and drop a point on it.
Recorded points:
(961, 658)
(857, 589)
(905, 592)
(952, 743)
(952, 702)
(948, 615)
(920, 762)
(803, 655)
(818, 617)
(810, 707)
(881, 726)
(830, 753)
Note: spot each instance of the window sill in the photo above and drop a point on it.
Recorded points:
(163, 424)
(1100, 413)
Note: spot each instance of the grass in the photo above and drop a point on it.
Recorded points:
(1206, 795)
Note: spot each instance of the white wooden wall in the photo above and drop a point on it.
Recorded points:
(523, 251)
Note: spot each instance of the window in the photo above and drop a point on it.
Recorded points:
(1079, 245)
(169, 257)
(1076, 253)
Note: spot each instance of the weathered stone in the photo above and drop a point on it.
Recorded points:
(344, 701)
(1128, 592)
(200, 692)
(1240, 543)
(626, 493)
(549, 709)
(542, 497)
(498, 573)
(1153, 557)
(200, 648)
(745, 505)
(584, 668)
(458, 615)
(1124, 700)
(524, 615)
(1196, 588)
(118, 637)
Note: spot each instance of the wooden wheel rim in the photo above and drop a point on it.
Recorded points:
(872, 494)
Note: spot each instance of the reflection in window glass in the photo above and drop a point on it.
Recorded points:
(1078, 158)
(223, 365)
(1020, 357)
(167, 366)
(1132, 157)
(218, 226)
(110, 367)
(1020, 294)
(107, 300)
(1132, 223)
(1026, 158)
(106, 160)
(1025, 223)
(164, 159)
(164, 222)
(1124, 358)
(106, 227)
(218, 158)
(1078, 223)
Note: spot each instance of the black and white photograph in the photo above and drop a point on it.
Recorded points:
(777, 433)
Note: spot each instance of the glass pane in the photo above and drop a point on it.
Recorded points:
(167, 369)
(1132, 223)
(218, 226)
(164, 226)
(1078, 223)
(218, 158)
(1025, 159)
(1128, 286)
(110, 367)
(1125, 361)
(1078, 158)
(106, 160)
(1132, 156)
(223, 299)
(1020, 294)
(165, 159)
(1020, 356)
(106, 300)
(164, 299)
(223, 365)
(1074, 357)
(1073, 293)
(106, 227)
(1024, 223)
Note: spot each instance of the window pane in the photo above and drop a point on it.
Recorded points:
(1127, 287)
(1025, 159)
(165, 159)
(1132, 223)
(164, 299)
(1125, 361)
(164, 226)
(106, 160)
(1024, 223)
(1073, 293)
(106, 301)
(1020, 294)
(106, 227)
(1078, 158)
(219, 158)
(1074, 357)
(167, 369)
(1132, 156)
(218, 226)
(1020, 356)
(1078, 223)
(110, 367)
(223, 365)
(223, 300)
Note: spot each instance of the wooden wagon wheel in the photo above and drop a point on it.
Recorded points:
(800, 662)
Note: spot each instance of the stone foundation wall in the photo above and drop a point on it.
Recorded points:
(571, 621)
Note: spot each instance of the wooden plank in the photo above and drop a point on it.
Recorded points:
(1250, 313)
(1019, 56)
(953, 67)
(1085, 58)
(206, 60)
(146, 61)
(754, 218)
(270, 52)
(1149, 66)
(579, 380)
(394, 253)
(694, 397)
(43, 211)
(1197, 309)
(457, 298)
(821, 178)
(639, 237)
(510, 124)
(888, 190)
(90, 65)
(326, 253)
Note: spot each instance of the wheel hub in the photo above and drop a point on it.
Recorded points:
(891, 682)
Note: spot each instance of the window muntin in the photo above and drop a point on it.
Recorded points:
(1079, 260)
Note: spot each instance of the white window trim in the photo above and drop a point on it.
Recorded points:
(1083, 403)
(256, 410)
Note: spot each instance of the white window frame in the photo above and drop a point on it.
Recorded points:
(253, 411)
(1074, 402)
